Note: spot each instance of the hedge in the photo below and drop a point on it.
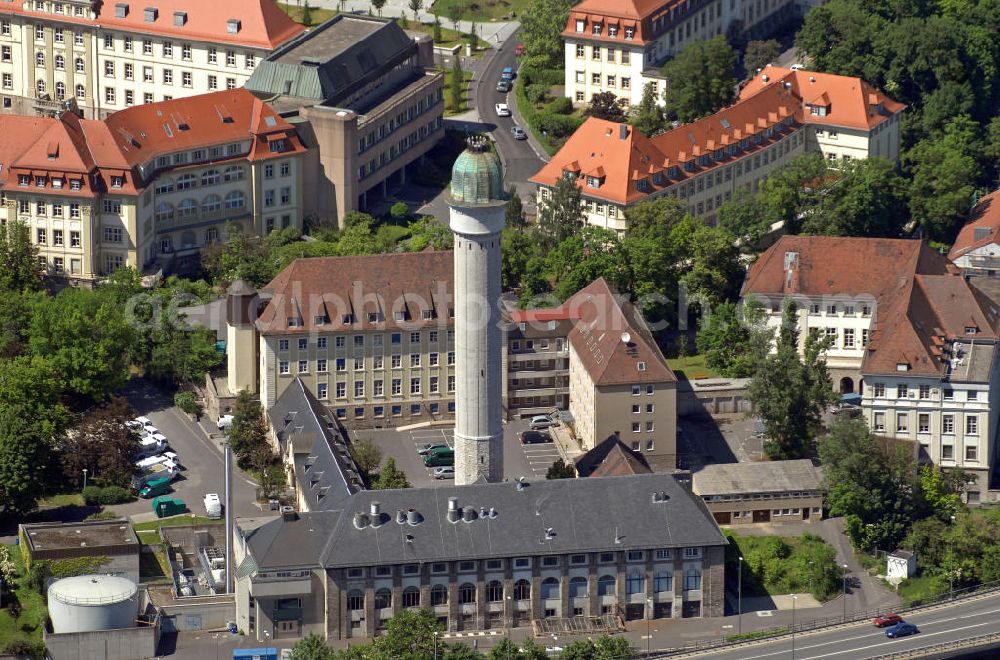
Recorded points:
(93, 495)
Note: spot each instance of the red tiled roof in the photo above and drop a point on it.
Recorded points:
(612, 340)
(333, 287)
(262, 23)
(921, 299)
(762, 107)
(144, 132)
(639, 14)
(985, 215)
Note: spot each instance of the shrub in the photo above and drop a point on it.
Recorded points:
(96, 495)
(23, 647)
(187, 402)
(103, 515)
(560, 106)
(536, 93)
(557, 125)
(399, 211)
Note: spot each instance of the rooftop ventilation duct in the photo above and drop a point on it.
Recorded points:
(468, 514)
(413, 517)
(453, 512)
(361, 520)
(400, 516)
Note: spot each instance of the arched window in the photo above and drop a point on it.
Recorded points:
(550, 588)
(81, 93)
(60, 91)
(164, 211)
(79, 65)
(235, 200)
(355, 599)
(40, 59)
(635, 583)
(522, 590)
(467, 593)
(383, 598)
(578, 587)
(439, 595)
(494, 591)
(40, 86)
(211, 204)
(663, 581)
(210, 177)
(606, 585)
(411, 597)
(187, 208)
(233, 173)
(60, 62)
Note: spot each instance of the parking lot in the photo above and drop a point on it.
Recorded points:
(529, 461)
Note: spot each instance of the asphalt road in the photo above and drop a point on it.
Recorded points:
(200, 458)
(959, 621)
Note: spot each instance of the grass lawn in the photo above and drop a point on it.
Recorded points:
(482, 10)
(463, 103)
(27, 627)
(62, 499)
(449, 37)
(294, 12)
(922, 588)
(154, 566)
(174, 521)
(692, 367)
(776, 565)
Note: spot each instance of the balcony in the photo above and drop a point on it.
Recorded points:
(538, 373)
(539, 391)
(538, 354)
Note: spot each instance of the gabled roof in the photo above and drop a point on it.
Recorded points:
(981, 227)
(611, 458)
(262, 24)
(639, 14)
(544, 517)
(748, 478)
(612, 340)
(382, 284)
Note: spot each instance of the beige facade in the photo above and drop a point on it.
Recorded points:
(536, 366)
(643, 415)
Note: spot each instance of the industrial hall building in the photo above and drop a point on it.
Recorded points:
(149, 186)
(102, 57)
(485, 556)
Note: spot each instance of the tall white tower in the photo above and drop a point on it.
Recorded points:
(477, 202)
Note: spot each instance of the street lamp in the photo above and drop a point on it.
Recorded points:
(649, 615)
(810, 576)
(739, 597)
(794, 598)
(435, 645)
(85, 483)
(845, 592)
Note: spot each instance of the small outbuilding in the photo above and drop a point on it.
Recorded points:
(111, 546)
(899, 565)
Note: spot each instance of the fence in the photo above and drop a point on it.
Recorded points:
(944, 647)
(831, 621)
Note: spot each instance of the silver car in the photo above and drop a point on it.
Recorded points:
(444, 472)
(518, 133)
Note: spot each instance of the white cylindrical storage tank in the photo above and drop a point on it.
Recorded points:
(92, 602)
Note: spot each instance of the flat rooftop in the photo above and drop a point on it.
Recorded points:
(765, 477)
(323, 45)
(48, 537)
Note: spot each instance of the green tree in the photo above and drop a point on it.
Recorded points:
(648, 116)
(24, 457)
(730, 338)
(714, 273)
(85, 340)
(437, 28)
(102, 444)
(271, 478)
(248, 433)
(367, 455)
(459, 651)
(181, 355)
(307, 16)
(561, 470)
(30, 383)
(758, 54)
(16, 308)
(415, 7)
(457, 84)
(237, 258)
(869, 198)
(378, 4)
(607, 106)
(428, 231)
(607, 647)
(542, 24)
(474, 37)
(454, 14)
(700, 79)
(518, 249)
(513, 212)
(870, 481)
(20, 269)
(941, 492)
(789, 393)
(312, 646)
(580, 259)
(389, 476)
(561, 215)
(408, 634)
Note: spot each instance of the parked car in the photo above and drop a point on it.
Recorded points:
(440, 458)
(901, 629)
(518, 133)
(165, 506)
(427, 449)
(444, 472)
(539, 422)
(503, 110)
(796, 67)
(508, 73)
(503, 86)
(225, 422)
(535, 437)
(846, 409)
(887, 619)
(213, 506)
(519, 50)
(155, 488)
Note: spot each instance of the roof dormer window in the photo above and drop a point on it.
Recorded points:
(642, 185)
(149, 14)
(23, 180)
(121, 10)
(581, 25)
(612, 30)
(596, 28)
(689, 166)
(180, 18)
(629, 32)
(593, 182)
(233, 26)
(971, 329)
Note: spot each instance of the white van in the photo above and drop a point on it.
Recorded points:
(213, 506)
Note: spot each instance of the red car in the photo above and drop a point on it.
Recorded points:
(887, 619)
(519, 50)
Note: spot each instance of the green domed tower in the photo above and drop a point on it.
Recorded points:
(477, 202)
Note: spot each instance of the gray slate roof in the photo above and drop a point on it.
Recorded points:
(584, 515)
(324, 64)
(324, 470)
(769, 477)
